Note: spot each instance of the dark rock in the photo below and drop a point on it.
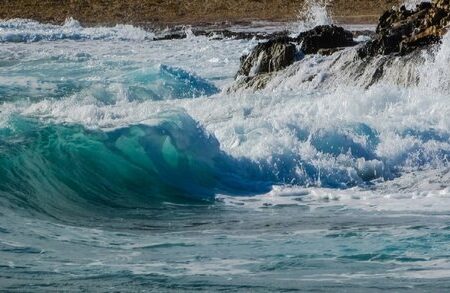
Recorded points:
(330, 51)
(268, 57)
(219, 34)
(171, 36)
(324, 37)
(227, 34)
(278, 53)
(402, 31)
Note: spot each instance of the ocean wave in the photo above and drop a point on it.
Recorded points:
(156, 82)
(58, 167)
(102, 119)
(28, 31)
(64, 168)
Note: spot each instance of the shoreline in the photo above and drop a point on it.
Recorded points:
(195, 12)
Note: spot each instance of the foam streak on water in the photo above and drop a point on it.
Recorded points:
(125, 164)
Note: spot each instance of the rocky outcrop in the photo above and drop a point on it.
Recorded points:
(324, 37)
(268, 57)
(402, 31)
(278, 53)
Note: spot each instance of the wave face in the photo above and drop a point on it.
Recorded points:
(54, 168)
(126, 161)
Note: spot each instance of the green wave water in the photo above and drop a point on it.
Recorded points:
(61, 169)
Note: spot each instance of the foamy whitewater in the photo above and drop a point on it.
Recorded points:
(127, 165)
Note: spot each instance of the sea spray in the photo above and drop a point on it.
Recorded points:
(312, 14)
(411, 4)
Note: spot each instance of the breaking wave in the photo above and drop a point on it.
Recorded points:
(132, 133)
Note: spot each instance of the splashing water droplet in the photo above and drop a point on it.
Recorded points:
(312, 14)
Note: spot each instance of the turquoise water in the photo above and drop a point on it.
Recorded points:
(127, 165)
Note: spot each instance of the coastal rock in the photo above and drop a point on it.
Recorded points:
(402, 31)
(278, 53)
(179, 32)
(324, 37)
(268, 57)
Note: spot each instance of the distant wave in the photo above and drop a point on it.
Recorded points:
(158, 82)
(21, 30)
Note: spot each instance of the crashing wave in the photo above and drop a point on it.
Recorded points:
(323, 121)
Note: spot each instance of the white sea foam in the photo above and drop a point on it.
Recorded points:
(411, 4)
(22, 30)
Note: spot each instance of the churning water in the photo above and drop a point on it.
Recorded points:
(127, 165)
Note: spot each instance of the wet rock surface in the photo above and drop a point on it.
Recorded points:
(402, 31)
(324, 37)
(278, 53)
(271, 56)
(219, 34)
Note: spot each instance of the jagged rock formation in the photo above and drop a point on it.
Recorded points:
(399, 32)
(324, 37)
(402, 31)
(268, 57)
(276, 54)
